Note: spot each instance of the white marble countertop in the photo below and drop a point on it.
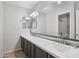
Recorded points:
(56, 49)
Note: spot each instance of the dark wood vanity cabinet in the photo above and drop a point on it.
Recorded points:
(32, 51)
(22, 43)
(39, 53)
(27, 47)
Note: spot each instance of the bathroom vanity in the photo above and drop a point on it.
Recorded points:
(32, 50)
(36, 47)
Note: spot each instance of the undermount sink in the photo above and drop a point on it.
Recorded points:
(60, 47)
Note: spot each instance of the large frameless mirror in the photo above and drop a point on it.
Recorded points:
(57, 19)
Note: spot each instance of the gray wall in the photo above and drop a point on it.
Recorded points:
(1, 29)
(12, 26)
(41, 23)
(77, 19)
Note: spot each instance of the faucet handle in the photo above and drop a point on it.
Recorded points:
(61, 33)
(75, 45)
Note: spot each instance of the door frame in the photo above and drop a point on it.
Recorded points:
(64, 12)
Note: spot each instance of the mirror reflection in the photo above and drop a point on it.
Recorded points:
(56, 19)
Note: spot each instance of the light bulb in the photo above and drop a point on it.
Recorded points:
(27, 18)
(36, 14)
(59, 2)
(32, 14)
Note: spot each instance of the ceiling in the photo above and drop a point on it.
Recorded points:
(32, 5)
(24, 4)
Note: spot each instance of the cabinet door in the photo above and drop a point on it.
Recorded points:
(39, 53)
(29, 49)
(22, 43)
(32, 50)
(26, 47)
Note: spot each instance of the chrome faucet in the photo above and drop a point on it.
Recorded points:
(62, 39)
(75, 46)
(60, 35)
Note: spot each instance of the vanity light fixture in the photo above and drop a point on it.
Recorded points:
(35, 13)
(32, 14)
(27, 18)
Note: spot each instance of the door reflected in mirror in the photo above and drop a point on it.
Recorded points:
(63, 25)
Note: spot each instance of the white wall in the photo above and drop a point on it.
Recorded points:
(1, 28)
(12, 26)
(52, 22)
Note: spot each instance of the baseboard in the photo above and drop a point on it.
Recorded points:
(12, 51)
